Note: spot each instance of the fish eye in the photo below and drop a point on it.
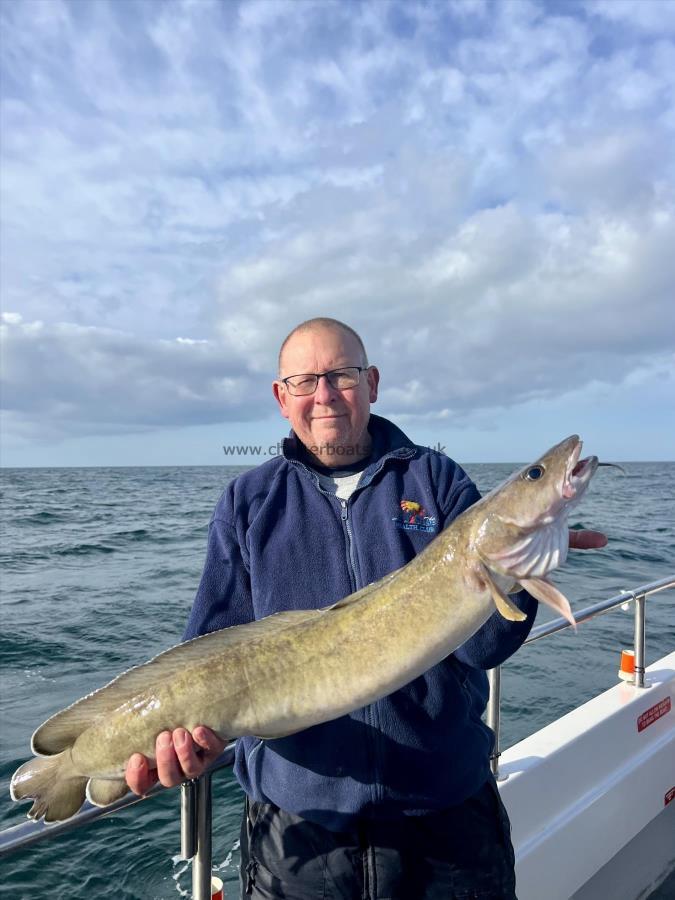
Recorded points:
(534, 473)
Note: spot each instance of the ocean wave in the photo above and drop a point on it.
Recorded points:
(83, 550)
(44, 517)
(136, 534)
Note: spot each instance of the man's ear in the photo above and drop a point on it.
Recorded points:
(373, 376)
(280, 395)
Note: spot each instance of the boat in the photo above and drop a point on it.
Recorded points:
(591, 796)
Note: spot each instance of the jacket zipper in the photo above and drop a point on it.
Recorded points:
(351, 563)
(371, 717)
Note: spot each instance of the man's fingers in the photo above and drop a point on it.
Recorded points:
(209, 741)
(139, 776)
(587, 540)
(186, 751)
(168, 768)
(178, 757)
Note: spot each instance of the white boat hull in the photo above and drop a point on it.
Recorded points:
(591, 796)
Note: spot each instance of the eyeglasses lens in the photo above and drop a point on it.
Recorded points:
(340, 380)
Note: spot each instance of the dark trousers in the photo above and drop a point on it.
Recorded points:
(462, 852)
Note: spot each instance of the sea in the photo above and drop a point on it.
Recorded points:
(99, 568)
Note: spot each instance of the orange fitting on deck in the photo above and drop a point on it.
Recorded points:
(627, 670)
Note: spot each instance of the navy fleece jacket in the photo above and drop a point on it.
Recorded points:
(277, 541)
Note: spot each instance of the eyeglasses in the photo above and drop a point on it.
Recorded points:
(338, 379)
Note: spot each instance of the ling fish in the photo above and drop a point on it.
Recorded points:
(284, 673)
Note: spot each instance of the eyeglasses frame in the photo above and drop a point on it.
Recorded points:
(319, 375)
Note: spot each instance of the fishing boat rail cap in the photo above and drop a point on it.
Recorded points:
(29, 832)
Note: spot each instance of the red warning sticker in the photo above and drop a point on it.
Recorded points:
(670, 795)
(655, 712)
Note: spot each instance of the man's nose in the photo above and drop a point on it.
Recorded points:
(325, 392)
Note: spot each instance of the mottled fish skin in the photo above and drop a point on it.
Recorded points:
(295, 669)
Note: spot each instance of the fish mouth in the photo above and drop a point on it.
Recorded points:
(578, 473)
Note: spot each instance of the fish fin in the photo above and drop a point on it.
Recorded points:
(57, 793)
(506, 607)
(546, 592)
(62, 730)
(358, 595)
(104, 791)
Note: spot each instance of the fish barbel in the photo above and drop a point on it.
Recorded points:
(284, 673)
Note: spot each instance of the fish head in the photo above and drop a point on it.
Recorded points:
(523, 531)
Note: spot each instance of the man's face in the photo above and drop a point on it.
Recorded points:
(328, 418)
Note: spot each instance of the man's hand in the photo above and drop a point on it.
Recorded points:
(587, 540)
(179, 756)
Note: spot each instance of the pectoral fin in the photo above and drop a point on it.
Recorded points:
(505, 606)
(548, 593)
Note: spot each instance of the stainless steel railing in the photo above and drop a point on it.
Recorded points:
(637, 596)
(196, 794)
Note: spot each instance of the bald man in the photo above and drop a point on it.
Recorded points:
(395, 800)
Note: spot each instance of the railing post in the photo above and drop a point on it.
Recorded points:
(188, 819)
(495, 681)
(639, 640)
(201, 863)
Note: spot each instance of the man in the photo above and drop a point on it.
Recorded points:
(395, 800)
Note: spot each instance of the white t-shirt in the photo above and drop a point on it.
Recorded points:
(343, 486)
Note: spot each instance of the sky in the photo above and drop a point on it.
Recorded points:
(483, 190)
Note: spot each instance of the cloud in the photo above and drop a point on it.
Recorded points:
(63, 379)
(505, 307)
(649, 16)
(485, 191)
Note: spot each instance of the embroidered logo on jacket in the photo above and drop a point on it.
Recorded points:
(413, 517)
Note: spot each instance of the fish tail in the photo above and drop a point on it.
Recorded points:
(50, 781)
